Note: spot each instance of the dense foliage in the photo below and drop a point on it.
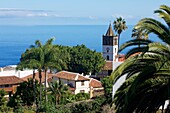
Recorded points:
(84, 60)
(59, 92)
(107, 84)
(24, 94)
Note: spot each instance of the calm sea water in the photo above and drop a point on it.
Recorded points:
(14, 40)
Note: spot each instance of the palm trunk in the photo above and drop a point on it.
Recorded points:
(34, 88)
(40, 77)
(118, 45)
(45, 87)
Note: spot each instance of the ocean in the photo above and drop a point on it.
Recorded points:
(14, 40)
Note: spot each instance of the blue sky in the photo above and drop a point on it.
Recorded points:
(75, 12)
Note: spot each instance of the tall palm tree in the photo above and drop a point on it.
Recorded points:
(27, 62)
(43, 57)
(119, 26)
(47, 57)
(147, 86)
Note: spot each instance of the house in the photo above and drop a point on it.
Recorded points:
(79, 83)
(96, 88)
(9, 83)
(37, 77)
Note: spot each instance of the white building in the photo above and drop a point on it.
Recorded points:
(79, 83)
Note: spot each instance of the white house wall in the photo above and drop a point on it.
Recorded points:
(79, 87)
(121, 79)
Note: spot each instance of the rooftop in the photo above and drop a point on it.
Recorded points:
(37, 76)
(108, 65)
(70, 76)
(95, 83)
(4, 80)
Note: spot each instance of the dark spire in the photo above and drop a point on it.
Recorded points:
(110, 31)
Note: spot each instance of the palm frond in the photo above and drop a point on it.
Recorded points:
(134, 42)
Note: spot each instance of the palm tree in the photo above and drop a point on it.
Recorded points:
(147, 75)
(139, 34)
(119, 26)
(26, 61)
(147, 86)
(58, 89)
(47, 57)
(43, 57)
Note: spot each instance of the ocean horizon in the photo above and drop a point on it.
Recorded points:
(15, 39)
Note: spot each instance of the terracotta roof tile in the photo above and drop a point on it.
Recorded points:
(4, 80)
(95, 83)
(108, 65)
(70, 76)
(80, 77)
(37, 76)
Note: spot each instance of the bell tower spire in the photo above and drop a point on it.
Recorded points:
(110, 31)
(110, 45)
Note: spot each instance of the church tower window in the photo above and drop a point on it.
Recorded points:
(107, 57)
(107, 49)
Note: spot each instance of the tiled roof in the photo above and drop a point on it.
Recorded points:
(4, 80)
(70, 76)
(108, 65)
(95, 83)
(110, 31)
(37, 76)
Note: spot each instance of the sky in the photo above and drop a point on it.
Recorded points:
(76, 12)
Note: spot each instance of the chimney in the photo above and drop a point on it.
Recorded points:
(1, 69)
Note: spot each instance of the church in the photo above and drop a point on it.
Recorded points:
(110, 53)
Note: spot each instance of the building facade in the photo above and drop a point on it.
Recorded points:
(78, 83)
(9, 84)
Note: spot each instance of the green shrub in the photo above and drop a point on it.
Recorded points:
(82, 96)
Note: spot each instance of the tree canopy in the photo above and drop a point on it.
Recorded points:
(84, 60)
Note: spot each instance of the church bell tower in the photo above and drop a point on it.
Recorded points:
(110, 45)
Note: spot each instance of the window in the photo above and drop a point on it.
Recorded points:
(82, 91)
(6, 85)
(115, 50)
(82, 83)
(107, 57)
(107, 49)
(115, 42)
